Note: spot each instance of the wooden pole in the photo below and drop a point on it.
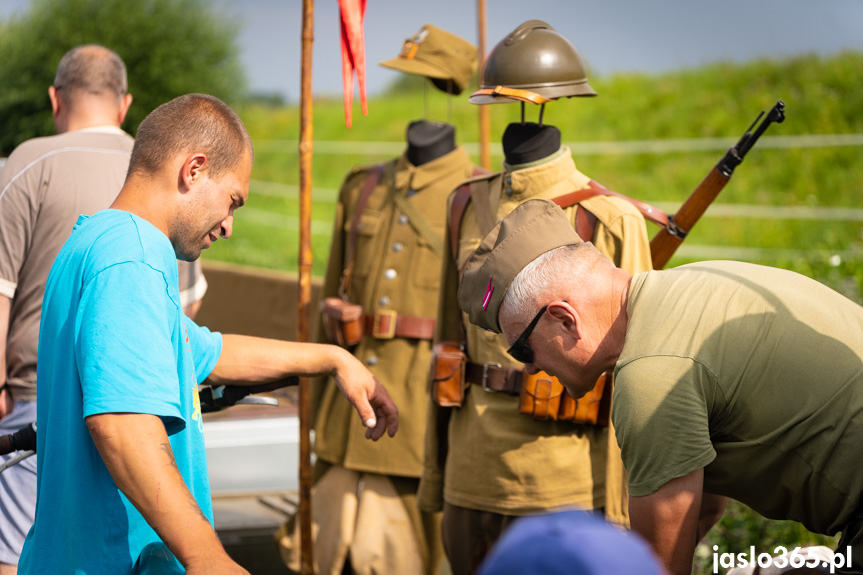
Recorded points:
(307, 562)
(484, 111)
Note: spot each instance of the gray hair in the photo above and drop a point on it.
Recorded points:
(549, 275)
(90, 69)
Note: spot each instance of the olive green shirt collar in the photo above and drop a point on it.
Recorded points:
(558, 174)
(417, 178)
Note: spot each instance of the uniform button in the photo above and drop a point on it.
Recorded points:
(384, 300)
(411, 192)
(508, 191)
(390, 274)
(403, 219)
(398, 246)
(508, 180)
(372, 360)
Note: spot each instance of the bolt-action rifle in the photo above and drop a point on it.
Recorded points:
(669, 238)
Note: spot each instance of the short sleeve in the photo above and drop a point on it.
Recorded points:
(17, 216)
(126, 355)
(206, 348)
(660, 417)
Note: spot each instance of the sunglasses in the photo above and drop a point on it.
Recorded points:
(519, 350)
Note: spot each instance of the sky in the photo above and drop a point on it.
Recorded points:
(612, 36)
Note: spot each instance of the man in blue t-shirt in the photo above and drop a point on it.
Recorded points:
(120, 444)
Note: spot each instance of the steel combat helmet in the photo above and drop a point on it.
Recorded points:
(535, 64)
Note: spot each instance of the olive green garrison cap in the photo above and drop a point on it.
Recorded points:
(530, 230)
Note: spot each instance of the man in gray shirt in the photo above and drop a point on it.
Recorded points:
(44, 186)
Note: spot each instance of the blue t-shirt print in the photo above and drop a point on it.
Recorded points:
(196, 399)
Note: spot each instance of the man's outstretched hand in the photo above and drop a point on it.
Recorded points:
(254, 361)
(370, 398)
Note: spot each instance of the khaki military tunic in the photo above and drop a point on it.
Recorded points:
(365, 501)
(495, 459)
(396, 270)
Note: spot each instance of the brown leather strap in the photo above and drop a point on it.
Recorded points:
(523, 95)
(386, 324)
(594, 188)
(585, 223)
(372, 178)
(457, 208)
(493, 377)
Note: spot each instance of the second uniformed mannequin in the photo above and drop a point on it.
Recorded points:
(485, 462)
(364, 499)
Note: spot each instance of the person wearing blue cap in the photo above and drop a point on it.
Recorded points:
(569, 542)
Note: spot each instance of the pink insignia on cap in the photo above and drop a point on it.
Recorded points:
(488, 291)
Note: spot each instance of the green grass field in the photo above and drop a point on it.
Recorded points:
(794, 202)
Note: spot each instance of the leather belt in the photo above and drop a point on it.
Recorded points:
(493, 377)
(387, 324)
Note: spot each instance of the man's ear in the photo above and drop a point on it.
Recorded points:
(125, 102)
(569, 318)
(192, 170)
(55, 100)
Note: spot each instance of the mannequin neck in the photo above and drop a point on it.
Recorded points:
(526, 143)
(429, 141)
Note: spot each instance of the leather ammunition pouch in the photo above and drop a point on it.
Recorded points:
(541, 396)
(343, 321)
(447, 377)
(544, 397)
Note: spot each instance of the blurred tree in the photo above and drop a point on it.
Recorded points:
(170, 47)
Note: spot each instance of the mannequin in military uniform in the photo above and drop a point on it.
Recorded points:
(364, 498)
(486, 463)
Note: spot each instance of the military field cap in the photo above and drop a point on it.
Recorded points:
(444, 58)
(535, 64)
(530, 230)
